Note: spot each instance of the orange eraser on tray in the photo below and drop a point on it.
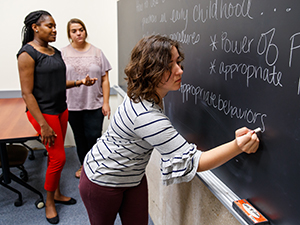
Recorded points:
(248, 212)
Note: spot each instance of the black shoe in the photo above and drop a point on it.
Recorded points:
(54, 220)
(72, 201)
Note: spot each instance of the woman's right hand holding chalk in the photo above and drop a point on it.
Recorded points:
(247, 140)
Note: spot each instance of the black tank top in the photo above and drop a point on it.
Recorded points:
(49, 80)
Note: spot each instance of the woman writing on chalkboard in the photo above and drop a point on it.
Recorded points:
(113, 178)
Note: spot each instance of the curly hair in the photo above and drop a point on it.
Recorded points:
(35, 17)
(149, 61)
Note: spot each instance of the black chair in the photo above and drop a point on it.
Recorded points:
(17, 155)
(32, 156)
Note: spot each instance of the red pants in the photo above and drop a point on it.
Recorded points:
(56, 153)
(103, 203)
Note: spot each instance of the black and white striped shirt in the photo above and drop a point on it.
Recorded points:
(121, 154)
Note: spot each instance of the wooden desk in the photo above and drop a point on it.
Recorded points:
(14, 128)
(13, 120)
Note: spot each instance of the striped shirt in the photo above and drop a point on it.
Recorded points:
(121, 154)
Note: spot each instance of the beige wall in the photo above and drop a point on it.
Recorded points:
(189, 203)
(99, 16)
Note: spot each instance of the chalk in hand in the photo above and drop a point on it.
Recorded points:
(257, 130)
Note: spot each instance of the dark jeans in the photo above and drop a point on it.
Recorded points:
(103, 203)
(87, 127)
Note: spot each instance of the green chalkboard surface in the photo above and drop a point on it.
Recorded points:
(241, 68)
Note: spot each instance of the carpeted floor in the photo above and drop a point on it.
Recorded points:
(28, 213)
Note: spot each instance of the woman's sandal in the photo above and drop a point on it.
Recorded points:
(78, 172)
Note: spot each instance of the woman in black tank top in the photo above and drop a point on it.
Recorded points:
(43, 84)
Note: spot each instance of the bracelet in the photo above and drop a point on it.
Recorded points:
(75, 85)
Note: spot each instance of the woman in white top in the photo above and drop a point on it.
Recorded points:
(113, 178)
(87, 106)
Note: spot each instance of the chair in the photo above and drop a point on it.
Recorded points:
(17, 155)
(32, 156)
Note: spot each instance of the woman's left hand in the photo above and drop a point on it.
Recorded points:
(87, 81)
(106, 110)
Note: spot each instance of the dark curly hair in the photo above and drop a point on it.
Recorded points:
(35, 17)
(150, 59)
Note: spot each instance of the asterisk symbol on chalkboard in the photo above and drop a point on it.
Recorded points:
(212, 67)
(213, 42)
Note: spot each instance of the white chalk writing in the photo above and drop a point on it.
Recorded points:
(223, 105)
(218, 10)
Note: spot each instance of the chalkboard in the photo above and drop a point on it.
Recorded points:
(241, 68)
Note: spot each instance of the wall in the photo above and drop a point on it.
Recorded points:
(100, 18)
(189, 203)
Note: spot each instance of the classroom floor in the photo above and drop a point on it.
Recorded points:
(28, 213)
